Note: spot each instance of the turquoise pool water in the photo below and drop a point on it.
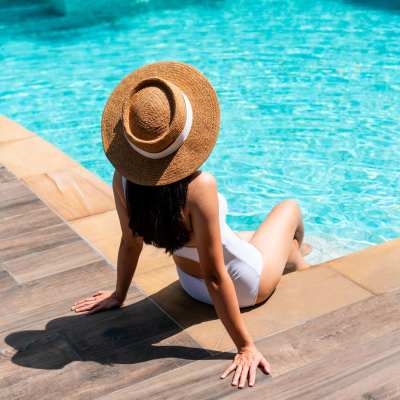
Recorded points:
(309, 93)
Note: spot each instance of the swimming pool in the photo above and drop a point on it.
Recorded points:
(309, 97)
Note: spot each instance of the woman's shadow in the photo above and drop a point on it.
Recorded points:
(137, 332)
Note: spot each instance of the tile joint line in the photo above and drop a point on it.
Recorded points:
(353, 281)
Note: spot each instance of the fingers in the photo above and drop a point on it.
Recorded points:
(84, 307)
(243, 376)
(84, 302)
(91, 307)
(228, 370)
(252, 375)
(265, 366)
(245, 365)
(237, 374)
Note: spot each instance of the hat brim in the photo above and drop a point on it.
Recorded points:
(195, 149)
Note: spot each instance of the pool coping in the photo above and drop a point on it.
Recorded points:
(86, 203)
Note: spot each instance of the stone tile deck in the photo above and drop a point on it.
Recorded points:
(48, 351)
(59, 237)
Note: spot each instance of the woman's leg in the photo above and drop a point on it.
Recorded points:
(279, 238)
(305, 248)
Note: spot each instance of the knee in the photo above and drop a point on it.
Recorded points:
(291, 208)
(291, 204)
(295, 211)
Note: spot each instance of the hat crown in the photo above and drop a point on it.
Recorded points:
(154, 114)
(150, 113)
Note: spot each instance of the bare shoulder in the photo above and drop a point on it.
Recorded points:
(202, 192)
(203, 184)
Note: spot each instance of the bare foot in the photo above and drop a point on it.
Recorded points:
(291, 267)
(296, 261)
(305, 249)
(303, 266)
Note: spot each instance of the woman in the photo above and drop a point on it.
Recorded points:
(159, 125)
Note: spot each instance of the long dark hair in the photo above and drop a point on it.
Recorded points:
(156, 213)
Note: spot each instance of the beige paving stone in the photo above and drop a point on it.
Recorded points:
(11, 130)
(153, 258)
(103, 231)
(300, 296)
(73, 193)
(377, 268)
(33, 156)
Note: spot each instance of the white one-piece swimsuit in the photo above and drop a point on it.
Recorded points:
(244, 263)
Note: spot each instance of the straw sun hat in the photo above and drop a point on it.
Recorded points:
(160, 123)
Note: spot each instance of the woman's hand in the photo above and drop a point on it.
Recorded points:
(245, 363)
(101, 300)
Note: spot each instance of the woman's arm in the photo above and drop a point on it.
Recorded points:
(126, 265)
(205, 220)
(128, 255)
(130, 246)
(203, 205)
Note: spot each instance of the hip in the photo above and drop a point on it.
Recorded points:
(245, 275)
